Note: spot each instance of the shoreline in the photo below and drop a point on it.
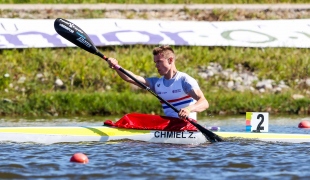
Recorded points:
(159, 7)
(42, 97)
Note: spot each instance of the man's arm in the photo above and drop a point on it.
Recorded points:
(201, 104)
(113, 62)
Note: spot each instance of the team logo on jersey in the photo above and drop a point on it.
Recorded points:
(176, 91)
(158, 85)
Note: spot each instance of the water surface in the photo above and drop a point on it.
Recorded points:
(235, 159)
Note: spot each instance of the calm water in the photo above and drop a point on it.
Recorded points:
(238, 159)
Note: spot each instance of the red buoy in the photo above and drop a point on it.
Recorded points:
(79, 158)
(304, 124)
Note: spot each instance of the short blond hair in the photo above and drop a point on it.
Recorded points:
(165, 50)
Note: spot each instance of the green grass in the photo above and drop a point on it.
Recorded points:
(92, 74)
(96, 89)
(117, 103)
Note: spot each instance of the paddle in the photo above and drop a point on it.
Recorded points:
(77, 36)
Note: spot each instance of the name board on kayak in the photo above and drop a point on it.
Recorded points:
(174, 134)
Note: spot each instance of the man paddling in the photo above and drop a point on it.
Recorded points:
(178, 88)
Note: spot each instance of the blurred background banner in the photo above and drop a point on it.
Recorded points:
(40, 33)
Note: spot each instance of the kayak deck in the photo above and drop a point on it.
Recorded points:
(50, 135)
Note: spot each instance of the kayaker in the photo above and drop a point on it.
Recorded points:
(176, 87)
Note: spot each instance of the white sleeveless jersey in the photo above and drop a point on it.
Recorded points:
(175, 95)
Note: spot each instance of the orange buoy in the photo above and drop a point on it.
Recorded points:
(79, 158)
(304, 124)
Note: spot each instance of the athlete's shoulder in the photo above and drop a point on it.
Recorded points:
(152, 81)
(185, 76)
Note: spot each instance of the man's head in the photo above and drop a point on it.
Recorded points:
(164, 51)
(164, 59)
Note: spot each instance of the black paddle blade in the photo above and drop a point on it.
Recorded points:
(208, 134)
(74, 34)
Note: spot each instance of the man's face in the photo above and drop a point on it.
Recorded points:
(162, 64)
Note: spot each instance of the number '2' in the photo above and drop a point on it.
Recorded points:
(259, 127)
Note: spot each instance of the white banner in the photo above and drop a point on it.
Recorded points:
(26, 33)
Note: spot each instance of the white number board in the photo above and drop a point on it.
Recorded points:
(257, 121)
